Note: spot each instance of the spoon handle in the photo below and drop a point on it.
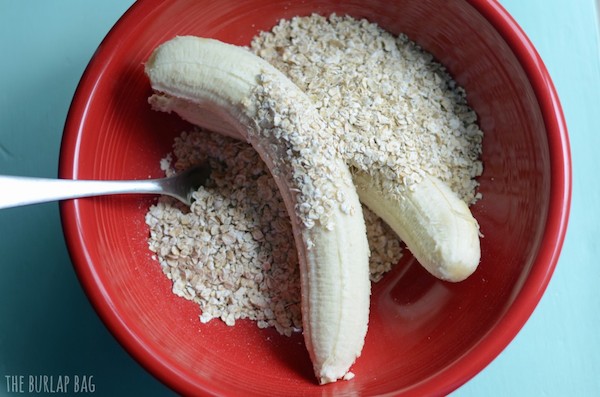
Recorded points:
(17, 191)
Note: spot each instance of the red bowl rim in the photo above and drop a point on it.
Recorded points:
(467, 366)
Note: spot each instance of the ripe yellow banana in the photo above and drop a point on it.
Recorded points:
(229, 90)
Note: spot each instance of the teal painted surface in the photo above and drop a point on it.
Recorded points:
(46, 323)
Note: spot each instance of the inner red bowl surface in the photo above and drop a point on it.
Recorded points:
(426, 336)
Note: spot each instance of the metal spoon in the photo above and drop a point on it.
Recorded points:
(17, 191)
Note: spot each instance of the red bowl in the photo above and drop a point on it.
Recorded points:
(425, 336)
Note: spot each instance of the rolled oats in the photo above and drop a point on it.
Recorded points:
(233, 251)
(394, 107)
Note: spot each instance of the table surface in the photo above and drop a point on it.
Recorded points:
(47, 326)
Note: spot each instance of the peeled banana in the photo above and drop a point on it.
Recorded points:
(229, 90)
(434, 223)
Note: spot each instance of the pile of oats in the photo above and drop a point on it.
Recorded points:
(397, 111)
(393, 108)
(233, 251)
